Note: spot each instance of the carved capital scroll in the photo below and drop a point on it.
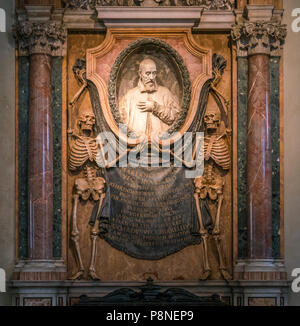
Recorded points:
(259, 38)
(43, 38)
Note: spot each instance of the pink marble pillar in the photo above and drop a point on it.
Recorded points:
(40, 162)
(259, 166)
(40, 40)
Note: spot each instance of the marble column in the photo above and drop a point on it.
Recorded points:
(40, 41)
(259, 168)
(40, 158)
(257, 41)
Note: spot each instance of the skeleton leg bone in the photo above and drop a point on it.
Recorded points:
(204, 237)
(94, 236)
(218, 241)
(75, 239)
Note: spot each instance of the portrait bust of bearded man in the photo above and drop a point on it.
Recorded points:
(148, 108)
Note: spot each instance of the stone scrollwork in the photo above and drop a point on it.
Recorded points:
(259, 38)
(80, 4)
(92, 4)
(43, 38)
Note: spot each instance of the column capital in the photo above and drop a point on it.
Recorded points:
(41, 38)
(259, 37)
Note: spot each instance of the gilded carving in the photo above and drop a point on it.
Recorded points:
(259, 37)
(44, 38)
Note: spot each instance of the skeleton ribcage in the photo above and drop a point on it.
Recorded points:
(83, 149)
(219, 152)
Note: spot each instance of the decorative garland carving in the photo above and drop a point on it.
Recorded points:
(92, 4)
(80, 4)
(47, 38)
(183, 72)
(259, 37)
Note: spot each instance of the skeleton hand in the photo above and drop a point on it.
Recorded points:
(146, 106)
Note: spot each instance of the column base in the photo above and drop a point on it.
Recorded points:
(40, 270)
(260, 270)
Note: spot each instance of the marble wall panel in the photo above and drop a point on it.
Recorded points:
(275, 142)
(56, 90)
(242, 155)
(23, 99)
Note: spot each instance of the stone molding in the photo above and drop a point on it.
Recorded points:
(260, 269)
(41, 38)
(99, 15)
(259, 37)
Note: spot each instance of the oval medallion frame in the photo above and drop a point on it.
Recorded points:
(100, 60)
(159, 51)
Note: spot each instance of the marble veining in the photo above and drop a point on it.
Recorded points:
(259, 178)
(242, 156)
(56, 93)
(40, 161)
(23, 75)
(275, 141)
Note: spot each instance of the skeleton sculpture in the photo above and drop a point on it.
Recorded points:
(83, 151)
(210, 185)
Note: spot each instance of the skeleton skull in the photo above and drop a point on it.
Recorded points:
(212, 120)
(86, 121)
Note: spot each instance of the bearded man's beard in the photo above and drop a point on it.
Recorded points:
(150, 86)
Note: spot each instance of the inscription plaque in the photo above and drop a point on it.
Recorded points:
(149, 212)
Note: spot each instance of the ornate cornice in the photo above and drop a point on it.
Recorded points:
(40, 37)
(259, 37)
(92, 4)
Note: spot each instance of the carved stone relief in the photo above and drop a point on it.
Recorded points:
(169, 69)
(92, 4)
(211, 184)
(47, 38)
(203, 193)
(259, 38)
(82, 156)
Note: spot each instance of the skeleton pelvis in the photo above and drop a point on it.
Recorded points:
(90, 187)
(211, 189)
